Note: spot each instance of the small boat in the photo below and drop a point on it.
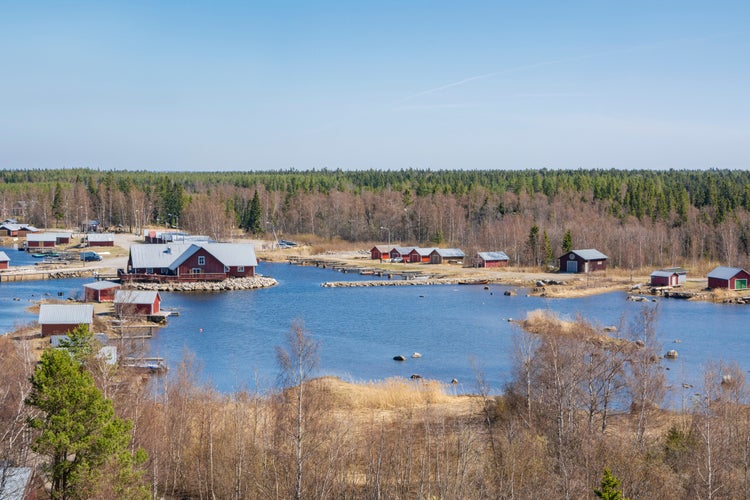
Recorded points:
(39, 255)
(473, 282)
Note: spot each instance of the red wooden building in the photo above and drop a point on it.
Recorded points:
(4, 260)
(100, 239)
(420, 255)
(583, 261)
(101, 291)
(733, 278)
(62, 318)
(137, 302)
(492, 259)
(380, 252)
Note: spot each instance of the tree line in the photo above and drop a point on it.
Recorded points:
(639, 218)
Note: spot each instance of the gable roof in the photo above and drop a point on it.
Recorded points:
(171, 255)
(381, 248)
(46, 236)
(589, 254)
(4, 257)
(101, 285)
(423, 252)
(725, 273)
(403, 250)
(135, 296)
(66, 314)
(100, 237)
(493, 256)
(448, 253)
(663, 273)
(13, 226)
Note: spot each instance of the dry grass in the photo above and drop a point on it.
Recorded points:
(543, 322)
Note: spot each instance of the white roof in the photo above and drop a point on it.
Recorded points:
(135, 296)
(102, 285)
(4, 257)
(66, 314)
(101, 237)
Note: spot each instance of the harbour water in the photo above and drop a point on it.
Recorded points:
(458, 330)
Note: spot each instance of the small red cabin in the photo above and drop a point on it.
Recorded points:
(583, 261)
(380, 252)
(732, 278)
(4, 260)
(492, 259)
(137, 302)
(101, 291)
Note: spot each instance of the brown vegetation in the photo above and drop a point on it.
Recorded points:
(577, 402)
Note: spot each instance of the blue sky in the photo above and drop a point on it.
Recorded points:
(184, 85)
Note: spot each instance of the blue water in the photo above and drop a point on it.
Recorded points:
(456, 328)
(19, 258)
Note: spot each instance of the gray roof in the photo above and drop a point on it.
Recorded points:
(101, 285)
(47, 236)
(135, 296)
(14, 482)
(424, 252)
(66, 314)
(493, 256)
(725, 273)
(589, 254)
(171, 255)
(4, 257)
(232, 254)
(101, 236)
(677, 270)
(448, 253)
(662, 273)
(381, 248)
(403, 250)
(12, 226)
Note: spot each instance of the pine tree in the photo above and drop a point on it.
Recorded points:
(57, 205)
(610, 487)
(78, 431)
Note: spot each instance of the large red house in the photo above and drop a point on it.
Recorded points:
(198, 261)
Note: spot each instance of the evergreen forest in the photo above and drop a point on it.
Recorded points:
(639, 218)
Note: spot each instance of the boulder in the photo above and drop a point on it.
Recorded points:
(399, 358)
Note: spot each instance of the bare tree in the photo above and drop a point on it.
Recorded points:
(298, 361)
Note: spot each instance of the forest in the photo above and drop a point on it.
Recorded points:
(639, 218)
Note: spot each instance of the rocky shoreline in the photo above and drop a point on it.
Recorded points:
(410, 282)
(208, 286)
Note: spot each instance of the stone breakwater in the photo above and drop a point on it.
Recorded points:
(414, 282)
(208, 286)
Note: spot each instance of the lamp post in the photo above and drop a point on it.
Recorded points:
(389, 233)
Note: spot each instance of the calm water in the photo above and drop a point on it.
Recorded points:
(19, 258)
(233, 335)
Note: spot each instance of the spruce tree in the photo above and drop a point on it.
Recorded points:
(610, 487)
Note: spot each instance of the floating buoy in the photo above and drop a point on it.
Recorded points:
(200, 330)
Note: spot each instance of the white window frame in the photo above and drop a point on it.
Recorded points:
(195, 270)
(201, 260)
(226, 269)
(240, 269)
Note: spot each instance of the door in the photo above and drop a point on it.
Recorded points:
(740, 284)
(571, 266)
